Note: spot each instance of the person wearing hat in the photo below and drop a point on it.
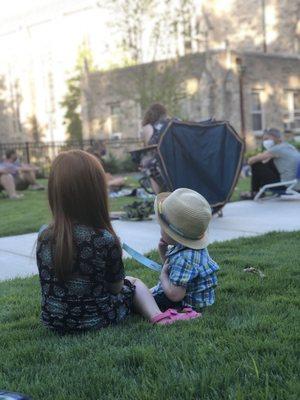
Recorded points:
(277, 163)
(188, 276)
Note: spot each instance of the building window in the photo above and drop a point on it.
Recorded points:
(291, 112)
(257, 111)
(115, 117)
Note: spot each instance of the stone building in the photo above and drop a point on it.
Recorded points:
(199, 76)
(250, 89)
(242, 65)
(255, 25)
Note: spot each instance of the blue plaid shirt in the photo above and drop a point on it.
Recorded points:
(194, 270)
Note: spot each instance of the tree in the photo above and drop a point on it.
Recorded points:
(159, 82)
(4, 123)
(132, 18)
(71, 100)
(10, 124)
(35, 130)
(144, 31)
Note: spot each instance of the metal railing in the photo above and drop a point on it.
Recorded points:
(43, 152)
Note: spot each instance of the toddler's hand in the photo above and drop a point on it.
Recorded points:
(165, 270)
(162, 243)
(162, 249)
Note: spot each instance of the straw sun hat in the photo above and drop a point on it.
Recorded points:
(184, 215)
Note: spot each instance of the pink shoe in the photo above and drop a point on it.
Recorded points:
(170, 316)
(165, 318)
(192, 313)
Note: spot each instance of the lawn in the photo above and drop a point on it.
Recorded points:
(27, 215)
(244, 347)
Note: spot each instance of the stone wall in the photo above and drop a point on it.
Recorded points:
(240, 24)
(273, 76)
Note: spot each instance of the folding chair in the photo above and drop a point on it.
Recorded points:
(288, 194)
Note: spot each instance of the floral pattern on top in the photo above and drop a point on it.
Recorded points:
(83, 302)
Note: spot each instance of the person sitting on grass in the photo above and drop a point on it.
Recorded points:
(23, 174)
(188, 277)
(7, 183)
(278, 163)
(79, 256)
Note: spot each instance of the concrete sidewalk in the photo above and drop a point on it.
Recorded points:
(241, 219)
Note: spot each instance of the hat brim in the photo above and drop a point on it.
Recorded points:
(192, 244)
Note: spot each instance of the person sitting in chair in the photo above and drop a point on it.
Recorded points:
(23, 174)
(278, 163)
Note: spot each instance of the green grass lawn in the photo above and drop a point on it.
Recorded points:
(243, 185)
(30, 213)
(243, 348)
(27, 215)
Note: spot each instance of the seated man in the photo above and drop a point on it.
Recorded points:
(277, 164)
(8, 184)
(23, 174)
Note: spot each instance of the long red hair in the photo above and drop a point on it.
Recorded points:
(77, 193)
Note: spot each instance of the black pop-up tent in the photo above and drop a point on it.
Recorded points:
(205, 156)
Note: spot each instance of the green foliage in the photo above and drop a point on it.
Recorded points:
(127, 165)
(160, 83)
(71, 100)
(154, 82)
(35, 130)
(6, 110)
(114, 165)
(252, 152)
(71, 103)
(244, 347)
(296, 144)
(139, 210)
(132, 16)
(110, 163)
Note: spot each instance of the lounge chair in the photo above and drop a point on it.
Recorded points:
(286, 194)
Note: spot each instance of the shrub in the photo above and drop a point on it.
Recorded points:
(296, 144)
(115, 166)
(110, 163)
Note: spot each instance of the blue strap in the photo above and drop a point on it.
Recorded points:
(141, 259)
(42, 228)
(12, 396)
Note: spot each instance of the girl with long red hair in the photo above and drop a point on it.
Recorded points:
(79, 255)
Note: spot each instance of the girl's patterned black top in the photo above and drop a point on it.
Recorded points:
(83, 302)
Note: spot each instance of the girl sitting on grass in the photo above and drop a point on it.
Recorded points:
(79, 256)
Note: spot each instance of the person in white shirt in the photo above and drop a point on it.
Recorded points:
(278, 163)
